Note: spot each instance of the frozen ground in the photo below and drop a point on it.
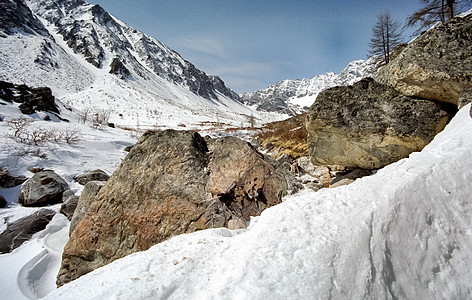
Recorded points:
(404, 232)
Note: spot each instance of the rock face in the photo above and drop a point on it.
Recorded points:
(171, 182)
(437, 65)
(93, 175)
(21, 230)
(91, 190)
(45, 187)
(369, 125)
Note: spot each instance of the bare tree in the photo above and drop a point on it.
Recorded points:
(433, 11)
(386, 35)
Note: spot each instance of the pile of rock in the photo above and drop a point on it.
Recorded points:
(171, 182)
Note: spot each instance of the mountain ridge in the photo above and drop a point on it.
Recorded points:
(295, 96)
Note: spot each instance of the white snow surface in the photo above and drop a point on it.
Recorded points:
(403, 233)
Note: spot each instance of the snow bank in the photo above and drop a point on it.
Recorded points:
(402, 233)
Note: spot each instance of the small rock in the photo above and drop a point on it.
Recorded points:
(314, 186)
(45, 187)
(349, 177)
(237, 224)
(3, 202)
(23, 229)
(69, 205)
(93, 175)
(7, 181)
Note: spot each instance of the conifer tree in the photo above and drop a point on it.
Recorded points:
(433, 11)
(386, 35)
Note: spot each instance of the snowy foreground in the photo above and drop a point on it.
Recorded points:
(402, 233)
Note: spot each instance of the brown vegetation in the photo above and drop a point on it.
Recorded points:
(285, 137)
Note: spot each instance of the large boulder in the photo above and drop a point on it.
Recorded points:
(369, 125)
(437, 65)
(23, 229)
(92, 175)
(45, 187)
(84, 202)
(171, 182)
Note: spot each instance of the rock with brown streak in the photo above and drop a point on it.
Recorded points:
(171, 182)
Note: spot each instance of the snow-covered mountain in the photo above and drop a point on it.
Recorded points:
(91, 59)
(294, 96)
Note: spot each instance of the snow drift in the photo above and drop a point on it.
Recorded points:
(404, 232)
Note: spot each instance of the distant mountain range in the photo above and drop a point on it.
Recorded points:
(295, 96)
(91, 59)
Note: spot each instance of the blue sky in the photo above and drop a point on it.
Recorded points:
(251, 44)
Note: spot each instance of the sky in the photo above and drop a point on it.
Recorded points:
(253, 43)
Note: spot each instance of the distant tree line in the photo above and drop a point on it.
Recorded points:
(387, 34)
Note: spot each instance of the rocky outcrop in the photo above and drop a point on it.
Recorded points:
(92, 175)
(23, 229)
(45, 187)
(437, 65)
(8, 181)
(171, 182)
(31, 99)
(91, 190)
(369, 125)
(3, 202)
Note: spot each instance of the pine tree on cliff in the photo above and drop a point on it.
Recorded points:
(433, 11)
(385, 36)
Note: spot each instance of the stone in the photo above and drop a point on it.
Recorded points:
(306, 165)
(93, 175)
(437, 65)
(69, 205)
(171, 182)
(23, 229)
(45, 187)
(369, 125)
(8, 181)
(237, 224)
(349, 177)
(84, 202)
(3, 202)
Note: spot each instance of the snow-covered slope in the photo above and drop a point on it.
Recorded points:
(92, 60)
(294, 96)
(403, 233)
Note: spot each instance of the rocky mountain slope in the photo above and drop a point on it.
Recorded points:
(91, 59)
(295, 96)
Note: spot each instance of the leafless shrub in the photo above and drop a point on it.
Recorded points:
(71, 135)
(98, 119)
(37, 136)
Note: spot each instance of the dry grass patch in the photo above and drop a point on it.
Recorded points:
(285, 137)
